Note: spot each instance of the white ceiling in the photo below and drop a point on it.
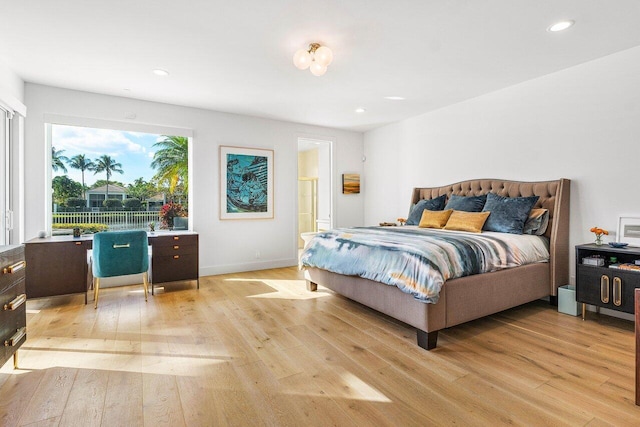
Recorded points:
(236, 55)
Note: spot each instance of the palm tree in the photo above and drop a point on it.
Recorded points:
(81, 162)
(172, 161)
(106, 164)
(57, 160)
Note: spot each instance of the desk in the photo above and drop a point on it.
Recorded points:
(58, 264)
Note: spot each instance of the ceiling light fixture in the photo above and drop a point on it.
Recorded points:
(395, 98)
(560, 26)
(316, 58)
(360, 110)
(160, 72)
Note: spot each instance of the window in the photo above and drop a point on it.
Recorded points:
(105, 179)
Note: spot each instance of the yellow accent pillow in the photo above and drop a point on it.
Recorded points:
(434, 219)
(467, 221)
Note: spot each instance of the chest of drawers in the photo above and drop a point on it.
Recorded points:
(13, 314)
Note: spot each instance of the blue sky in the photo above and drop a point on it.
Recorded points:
(134, 150)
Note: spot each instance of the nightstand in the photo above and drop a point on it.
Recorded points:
(604, 285)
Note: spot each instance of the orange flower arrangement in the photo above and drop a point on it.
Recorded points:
(599, 232)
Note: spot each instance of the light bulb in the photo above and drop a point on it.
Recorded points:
(302, 59)
(323, 55)
(318, 69)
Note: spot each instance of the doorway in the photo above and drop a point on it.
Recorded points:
(315, 190)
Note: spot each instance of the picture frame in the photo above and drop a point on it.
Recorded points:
(629, 230)
(350, 183)
(246, 183)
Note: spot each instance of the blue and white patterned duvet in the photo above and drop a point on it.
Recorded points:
(416, 260)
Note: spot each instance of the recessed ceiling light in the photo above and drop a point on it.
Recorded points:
(360, 110)
(160, 72)
(560, 26)
(395, 98)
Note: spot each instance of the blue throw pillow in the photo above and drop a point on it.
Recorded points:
(508, 214)
(467, 204)
(431, 204)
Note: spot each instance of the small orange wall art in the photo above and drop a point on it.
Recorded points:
(350, 183)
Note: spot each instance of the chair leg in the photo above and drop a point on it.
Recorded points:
(96, 288)
(145, 283)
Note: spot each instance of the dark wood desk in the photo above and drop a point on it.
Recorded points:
(58, 265)
(638, 347)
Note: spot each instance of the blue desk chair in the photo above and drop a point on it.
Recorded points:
(119, 253)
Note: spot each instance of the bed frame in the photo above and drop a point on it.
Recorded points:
(471, 297)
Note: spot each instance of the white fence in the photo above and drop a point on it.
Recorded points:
(115, 220)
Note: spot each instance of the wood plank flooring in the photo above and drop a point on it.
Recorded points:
(257, 349)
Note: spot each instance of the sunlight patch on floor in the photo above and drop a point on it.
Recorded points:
(122, 355)
(358, 389)
(284, 289)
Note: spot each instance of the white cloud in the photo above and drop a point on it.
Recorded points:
(93, 142)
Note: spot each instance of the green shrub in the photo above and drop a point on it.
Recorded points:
(112, 203)
(132, 203)
(74, 202)
(84, 227)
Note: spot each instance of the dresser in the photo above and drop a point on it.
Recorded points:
(13, 314)
(58, 265)
(637, 301)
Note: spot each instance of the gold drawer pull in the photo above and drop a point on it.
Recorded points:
(16, 302)
(176, 247)
(15, 339)
(126, 245)
(78, 243)
(176, 256)
(617, 291)
(15, 267)
(176, 237)
(604, 289)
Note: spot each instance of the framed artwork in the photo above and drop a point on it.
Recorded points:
(246, 183)
(351, 183)
(629, 230)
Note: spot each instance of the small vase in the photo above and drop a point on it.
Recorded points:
(598, 240)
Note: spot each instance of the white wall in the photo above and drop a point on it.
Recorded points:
(11, 83)
(225, 246)
(582, 123)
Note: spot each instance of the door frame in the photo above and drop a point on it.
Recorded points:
(330, 142)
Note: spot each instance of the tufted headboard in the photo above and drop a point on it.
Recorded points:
(553, 195)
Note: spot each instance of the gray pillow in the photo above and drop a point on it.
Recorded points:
(415, 213)
(467, 204)
(537, 222)
(508, 214)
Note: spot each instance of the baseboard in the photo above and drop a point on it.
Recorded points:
(253, 266)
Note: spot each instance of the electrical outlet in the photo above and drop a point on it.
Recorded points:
(257, 254)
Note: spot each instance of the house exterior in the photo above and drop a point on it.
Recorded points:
(96, 196)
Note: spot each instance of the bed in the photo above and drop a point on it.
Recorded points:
(474, 296)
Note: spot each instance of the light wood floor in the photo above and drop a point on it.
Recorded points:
(258, 349)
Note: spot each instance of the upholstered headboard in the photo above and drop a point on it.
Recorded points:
(553, 195)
